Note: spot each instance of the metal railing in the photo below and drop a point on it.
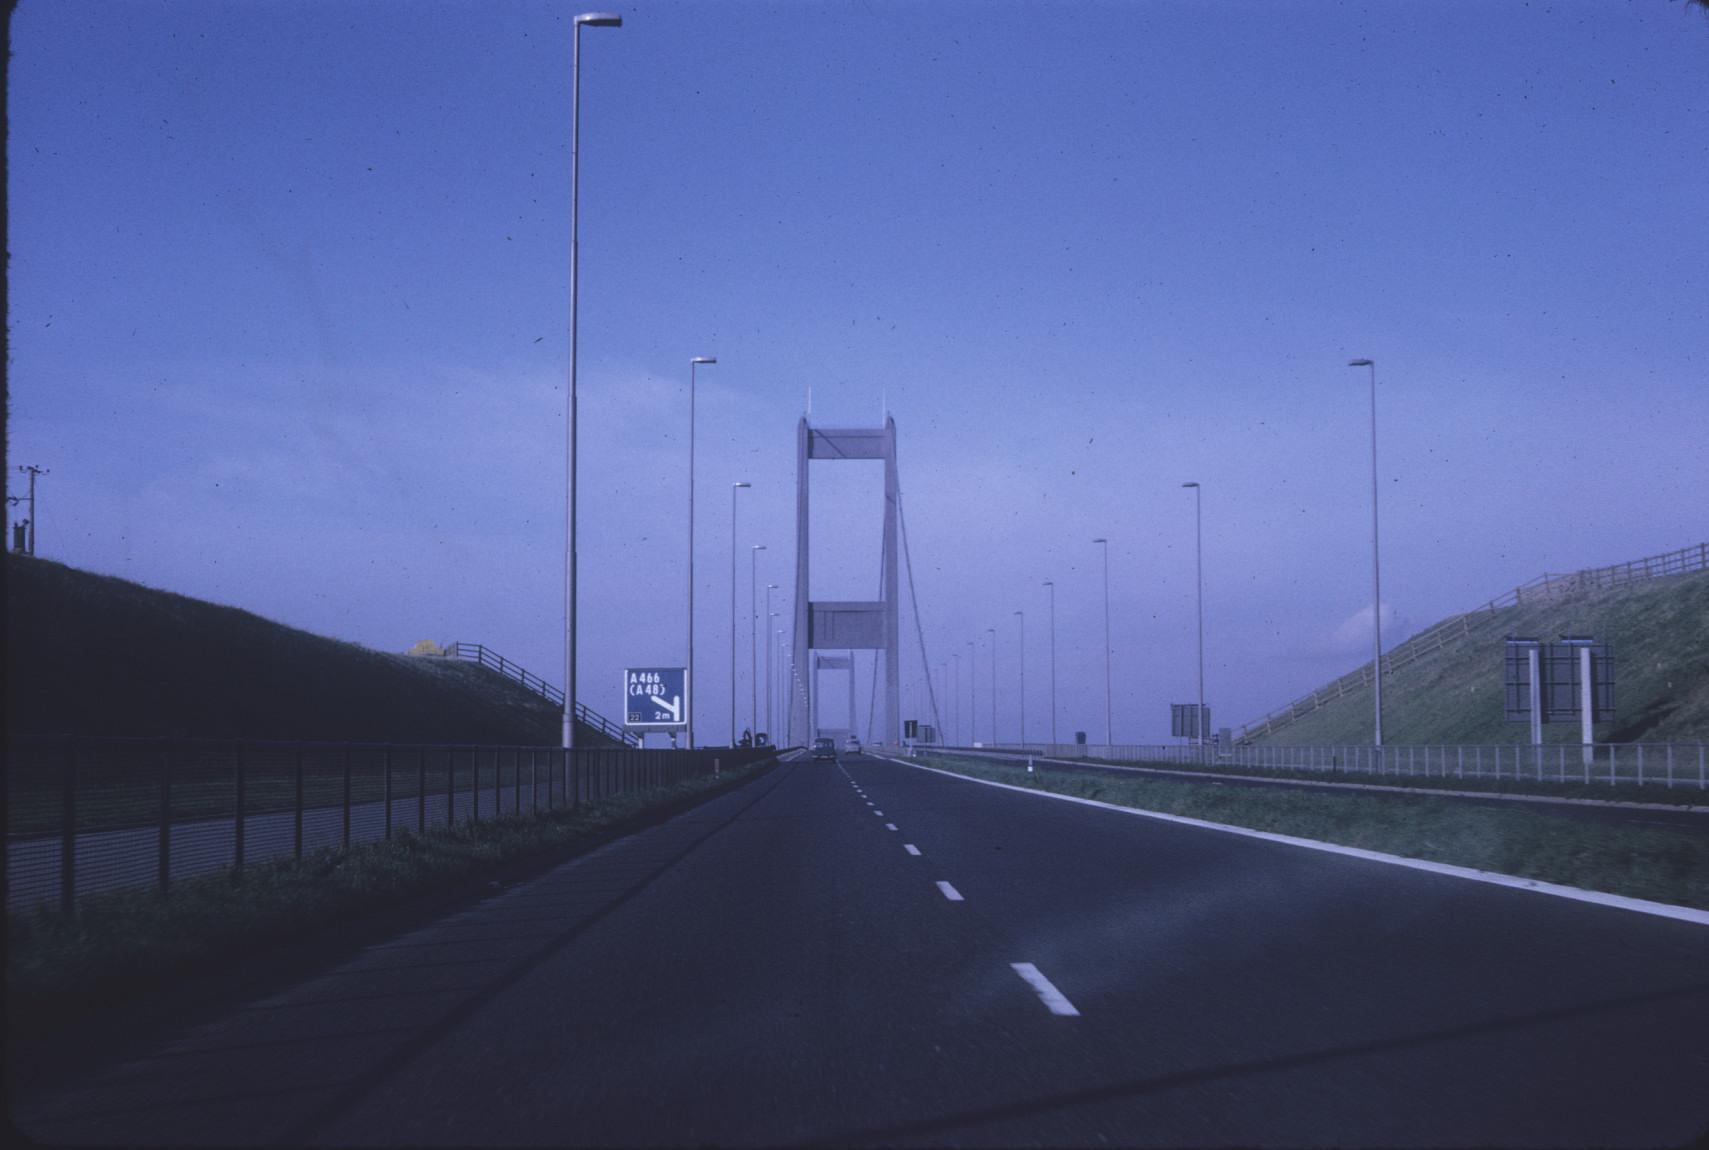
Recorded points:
(1433, 639)
(1640, 764)
(487, 657)
(91, 815)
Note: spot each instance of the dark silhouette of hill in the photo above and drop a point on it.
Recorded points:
(91, 654)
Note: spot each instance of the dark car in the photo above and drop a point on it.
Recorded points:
(825, 749)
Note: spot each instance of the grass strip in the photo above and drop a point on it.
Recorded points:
(122, 944)
(1663, 864)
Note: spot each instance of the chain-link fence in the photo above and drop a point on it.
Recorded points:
(91, 815)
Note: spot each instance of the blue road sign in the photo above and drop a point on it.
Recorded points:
(655, 697)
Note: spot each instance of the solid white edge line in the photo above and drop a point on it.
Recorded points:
(1042, 986)
(950, 892)
(911, 849)
(1537, 886)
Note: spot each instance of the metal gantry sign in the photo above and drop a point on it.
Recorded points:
(655, 698)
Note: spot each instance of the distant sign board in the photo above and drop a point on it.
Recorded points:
(1187, 720)
(655, 698)
(1562, 685)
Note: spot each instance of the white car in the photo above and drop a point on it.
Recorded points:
(852, 745)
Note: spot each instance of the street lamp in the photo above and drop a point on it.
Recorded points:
(1022, 616)
(734, 487)
(1376, 567)
(692, 364)
(769, 616)
(1109, 737)
(972, 692)
(1199, 566)
(1052, 587)
(754, 639)
(597, 20)
(992, 631)
(955, 698)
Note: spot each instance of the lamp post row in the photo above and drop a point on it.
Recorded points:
(613, 20)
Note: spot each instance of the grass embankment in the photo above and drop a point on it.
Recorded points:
(94, 655)
(1685, 792)
(122, 945)
(1657, 631)
(1663, 864)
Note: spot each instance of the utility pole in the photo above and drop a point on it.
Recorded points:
(32, 470)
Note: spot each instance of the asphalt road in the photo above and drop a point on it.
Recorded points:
(780, 966)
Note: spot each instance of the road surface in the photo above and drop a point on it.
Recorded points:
(867, 953)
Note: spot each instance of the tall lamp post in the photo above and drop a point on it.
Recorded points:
(1199, 567)
(955, 698)
(1376, 566)
(1052, 587)
(597, 20)
(692, 364)
(1022, 616)
(769, 616)
(992, 631)
(1109, 738)
(973, 692)
(734, 487)
(754, 639)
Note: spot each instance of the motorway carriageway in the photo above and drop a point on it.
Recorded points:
(869, 953)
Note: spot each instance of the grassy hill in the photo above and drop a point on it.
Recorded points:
(91, 654)
(1657, 631)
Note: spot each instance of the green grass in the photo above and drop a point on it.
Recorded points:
(120, 945)
(1658, 632)
(1663, 864)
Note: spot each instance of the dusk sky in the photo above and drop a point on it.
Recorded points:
(288, 309)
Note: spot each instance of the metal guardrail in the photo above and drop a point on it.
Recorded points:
(486, 657)
(85, 816)
(1433, 639)
(1640, 764)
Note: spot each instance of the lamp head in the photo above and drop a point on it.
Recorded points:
(1189, 485)
(1101, 541)
(739, 483)
(600, 19)
(704, 359)
(1359, 363)
(759, 547)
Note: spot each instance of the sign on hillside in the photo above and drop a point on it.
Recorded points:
(1561, 683)
(655, 698)
(1189, 720)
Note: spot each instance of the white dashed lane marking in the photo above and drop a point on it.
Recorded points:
(889, 826)
(1048, 994)
(911, 849)
(952, 894)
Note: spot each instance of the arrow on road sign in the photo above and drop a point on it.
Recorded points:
(674, 706)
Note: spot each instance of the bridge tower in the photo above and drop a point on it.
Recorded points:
(846, 625)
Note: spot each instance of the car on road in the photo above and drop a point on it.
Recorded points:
(825, 748)
(852, 746)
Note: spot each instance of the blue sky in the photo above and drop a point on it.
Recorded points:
(289, 290)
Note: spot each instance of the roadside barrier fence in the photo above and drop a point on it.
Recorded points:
(92, 815)
(1632, 764)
